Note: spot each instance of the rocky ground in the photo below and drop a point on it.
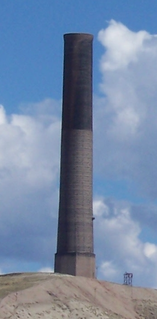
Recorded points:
(45, 296)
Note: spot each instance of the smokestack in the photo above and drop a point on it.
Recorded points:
(75, 254)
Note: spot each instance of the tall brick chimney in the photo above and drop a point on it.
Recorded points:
(75, 254)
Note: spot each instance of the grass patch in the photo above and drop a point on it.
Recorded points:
(20, 281)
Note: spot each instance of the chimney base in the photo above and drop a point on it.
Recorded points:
(76, 264)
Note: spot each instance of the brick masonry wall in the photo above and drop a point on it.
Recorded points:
(75, 209)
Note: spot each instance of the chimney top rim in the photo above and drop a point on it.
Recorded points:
(78, 34)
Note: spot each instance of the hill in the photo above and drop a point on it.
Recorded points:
(45, 296)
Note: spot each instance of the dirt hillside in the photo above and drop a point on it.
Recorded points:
(45, 296)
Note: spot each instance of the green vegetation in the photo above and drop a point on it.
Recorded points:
(20, 281)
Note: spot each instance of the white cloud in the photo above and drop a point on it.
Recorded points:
(100, 208)
(3, 119)
(126, 116)
(29, 146)
(150, 250)
(109, 270)
(29, 170)
(122, 45)
(46, 269)
(119, 246)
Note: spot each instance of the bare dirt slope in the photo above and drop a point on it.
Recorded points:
(38, 295)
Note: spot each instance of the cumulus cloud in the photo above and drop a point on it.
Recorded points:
(150, 250)
(122, 45)
(25, 145)
(125, 155)
(29, 170)
(126, 115)
(46, 269)
(119, 246)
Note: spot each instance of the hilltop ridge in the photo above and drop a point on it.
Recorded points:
(48, 295)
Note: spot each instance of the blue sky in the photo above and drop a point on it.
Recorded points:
(125, 134)
(31, 41)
